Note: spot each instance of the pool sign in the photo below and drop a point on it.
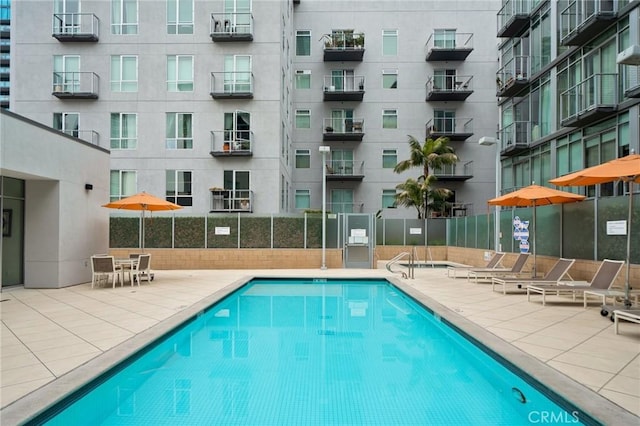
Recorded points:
(521, 233)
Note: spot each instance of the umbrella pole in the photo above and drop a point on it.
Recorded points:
(534, 240)
(142, 228)
(627, 302)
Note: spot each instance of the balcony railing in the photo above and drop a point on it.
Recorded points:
(356, 207)
(75, 85)
(449, 87)
(592, 99)
(229, 200)
(513, 17)
(232, 85)
(231, 143)
(76, 27)
(343, 88)
(343, 46)
(513, 76)
(232, 26)
(443, 48)
(582, 20)
(515, 137)
(455, 172)
(342, 129)
(345, 170)
(90, 136)
(454, 128)
(631, 81)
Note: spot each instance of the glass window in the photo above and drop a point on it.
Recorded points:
(445, 39)
(179, 73)
(303, 43)
(179, 16)
(124, 131)
(389, 42)
(124, 16)
(124, 73)
(179, 189)
(122, 184)
(179, 131)
(303, 159)
(389, 119)
(389, 158)
(66, 73)
(390, 79)
(303, 79)
(67, 122)
(303, 119)
(388, 198)
(237, 74)
(303, 199)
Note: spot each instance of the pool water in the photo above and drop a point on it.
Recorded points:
(312, 352)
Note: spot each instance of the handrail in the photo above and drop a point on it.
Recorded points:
(396, 259)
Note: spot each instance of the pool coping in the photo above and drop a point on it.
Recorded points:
(598, 410)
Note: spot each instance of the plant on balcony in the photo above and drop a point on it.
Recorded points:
(328, 129)
(358, 40)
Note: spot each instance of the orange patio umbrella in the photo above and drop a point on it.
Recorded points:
(625, 169)
(143, 202)
(533, 196)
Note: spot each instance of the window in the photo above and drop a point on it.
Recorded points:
(341, 201)
(124, 73)
(68, 11)
(180, 73)
(179, 189)
(389, 119)
(124, 16)
(237, 74)
(303, 43)
(179, 16)
(389, 42)
(66, 122)
(303, 79)
(66, 73)
(179, 131)
(303, 119)
(303, 159)
(122, 184)
(237, 130)
(444, 121)
(390, 79)
(389, 158)
(444, 79)
(238, 184)
(124, 131)
(445, 39)
(303, 199)
(388, 198)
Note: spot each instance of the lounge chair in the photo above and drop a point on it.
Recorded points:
(602, 280)
(555, 274)
(514, 272)
(494, 262)
(631, 315)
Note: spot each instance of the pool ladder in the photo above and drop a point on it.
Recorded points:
(412, 259)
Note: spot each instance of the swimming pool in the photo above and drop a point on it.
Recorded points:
(311, 352)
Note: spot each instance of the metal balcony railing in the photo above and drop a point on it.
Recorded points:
(345, 167)
(449, 46)
(594, 92)
(76, 27)
(449, 83)
(231, 26)
(90, 136)
(513, 16)
(455, 170)
(515, 136)
(232, 141)
(513, 74)
(580, 14)
(232, 84)
(453, 128)
(343, 125)
(75, 85)
(230, 200)
(343, 40)
(343, 84)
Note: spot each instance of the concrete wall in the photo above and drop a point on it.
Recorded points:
(64, 222)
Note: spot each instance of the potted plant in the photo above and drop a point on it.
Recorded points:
(328, 129)
(226, 146)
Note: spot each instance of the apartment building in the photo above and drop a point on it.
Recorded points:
(221, 106)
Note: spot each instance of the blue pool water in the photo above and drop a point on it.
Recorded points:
(312, 352)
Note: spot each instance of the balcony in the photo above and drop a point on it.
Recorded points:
(632, 82)
(231, 143)
(345, 88)
(90, 136)
(232, 85)
(345, 170)
(455, 49)
(343, 46)
(76, 27)
(357, 207)
(453, 128)
(75, 85)
(458, 172)
(449, 87)
(584, 20)
(515, 138)
(231, 26)
(513, 76)
(343, 129)
(231, 201)
(513, 18)
(590, 100)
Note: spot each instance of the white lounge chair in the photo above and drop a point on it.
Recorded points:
(602, 280)
(555, 274)
(631, 315)
(493, 263)
(487, 274)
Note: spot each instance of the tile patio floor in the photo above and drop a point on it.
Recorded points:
(47, 333)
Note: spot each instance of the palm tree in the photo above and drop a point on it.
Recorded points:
(434, 154)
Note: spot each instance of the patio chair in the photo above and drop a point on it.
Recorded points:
(555, 274)
(631, 315)
(514, 272)
(493, 263)
(104, 269)
(602, 280)
(141, 270)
